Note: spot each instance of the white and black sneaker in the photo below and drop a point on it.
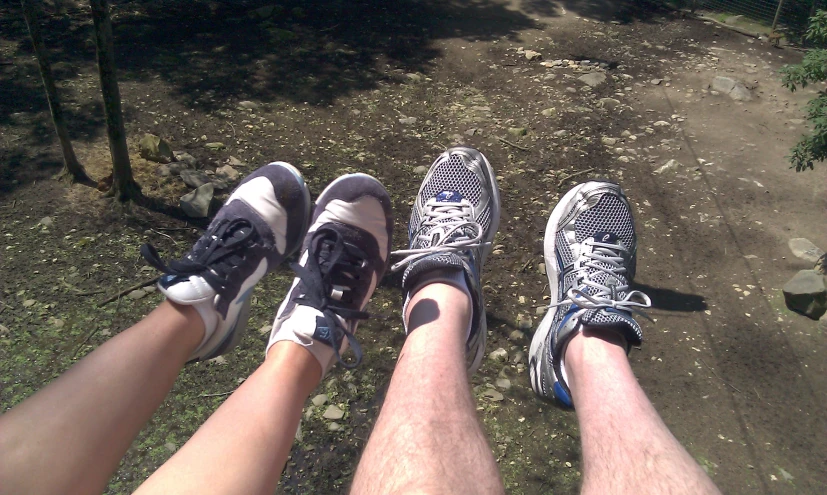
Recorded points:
(453, 223)
(344, 256)
(590, 253)
(261, 223)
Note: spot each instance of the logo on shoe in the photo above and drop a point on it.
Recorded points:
(606, 237)
(448, 197)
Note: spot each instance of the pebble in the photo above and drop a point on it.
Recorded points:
(421, 170)
(407, 120)
(58, 323)
(532, 55)
(503, 383)
(219, 360)
(516, 336)
(334, 426)
(524, 322)
(265, 329)
(608, 141)
(661, 123)
(28, 303)
(541, 268)
(518, 131)
(249, 105)
(656, 82)
(561, 133)
(519, 357)
(541, 310)
(333, 412)
(46, 222)
(499, 355)
(215, 146)
(493, 394)
(4, 330)
(136, 294)
(549, 112)
(319, 400)
(227, 171)
(235, 162)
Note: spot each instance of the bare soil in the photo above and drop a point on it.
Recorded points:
(738, 378)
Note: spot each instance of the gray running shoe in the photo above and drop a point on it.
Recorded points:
(261, 223)
(344, 256)
(452, 226)
(590, 253)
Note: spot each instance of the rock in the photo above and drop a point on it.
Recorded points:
(319, 400)
(626, 134)
(4, 330)
(170, 447)
(175, 168)
(185, 158)
(821, 265)
(137, 294)
(503, 383)
(624, 159)
(805, 293)
(228, 172)
(740, 93)
(733, 19)
(661, 123)
(421, 170)
(549, 112)
(519, 357)
(153, 148)
(334, 426)
(822, 323)
(46, 222)
(593, 79)
(235, 162)
(804, 249)
(407, 120)
(499, 355)
(524, 322)
(518, 131)
(608, 103)
(57, 323)
(413, 77)
(656, 82)
(516, 336)
(265, 330)
(732, 87)
(532, 55)
(608, 141)
(215, 146)
(723, 84)
(163, 170)
(541, 268)
(219, 360)
(249, 105)
(541, 310)
(195, 178)
(197, 203)
(561, 133)
(333, 412)
(670, 165)
(493, 394)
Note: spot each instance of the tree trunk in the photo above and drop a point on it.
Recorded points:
(124, 186)
(71, 165)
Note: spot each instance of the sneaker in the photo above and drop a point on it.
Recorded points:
(344, 256)
(262, 222)
(453, 223)
(590, 253)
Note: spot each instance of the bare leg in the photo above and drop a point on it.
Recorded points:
(70, 436)
(244, 445)
(428, 438)
(626, 446)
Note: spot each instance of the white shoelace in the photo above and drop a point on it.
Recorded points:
(454, 219)
(609, 254)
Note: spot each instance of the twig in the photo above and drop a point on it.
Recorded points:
(526, 265)
(128, 290)
(217, 395)
(506, 141)
(173, 229)
(718, 377)
(564, 179)
(233, 128)
(165, 235)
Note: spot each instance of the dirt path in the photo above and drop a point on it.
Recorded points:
(738, 378)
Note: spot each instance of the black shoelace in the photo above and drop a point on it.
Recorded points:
(213, 262)
(333, 262)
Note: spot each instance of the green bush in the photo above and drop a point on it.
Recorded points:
(812, 69)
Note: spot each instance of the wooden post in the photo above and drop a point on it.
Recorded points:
(777, 15)
(123, 185)
(71, 165)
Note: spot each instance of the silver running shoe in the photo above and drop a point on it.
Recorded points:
(590, 253)
(452, 226)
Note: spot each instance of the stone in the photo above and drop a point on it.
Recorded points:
(194, 178)
(58, 323)
(670, 165)
(499, 355)
(822, 323)
(170, 447)
(249, 105)
(185, 158)
(549, 112)
(503, 383)
(421, 170)
(531, 55)
(155, 149)
(219, 360)
(734, 88)
(804, 249)
(334, 426)
(541, 268)
(407, 120)
(519, 357)
(740, 93)
(319, 400)
(593, 79)
(656, 82)
(228, 172)
(493, 394)
(524, 322)
(805, 294)
(821, 265)
(413, 77)
(137, 294)
(175, 168)
(516, 336)
(265, 329)
(561, 133)
(46, 222)
(540, 311)
(608, 103)
(196, 204)
(333, 412)
(163, 170)
(723, 84)
(215, 146)
(626, 134)
(4, 330)
(661, 123)
(733, 19)
(518, 131)
(608, 141)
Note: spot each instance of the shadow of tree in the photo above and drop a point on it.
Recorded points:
(624, 11)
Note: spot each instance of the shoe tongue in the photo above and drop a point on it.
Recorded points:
(438, 233)
(448, 197)
(600, 276)
(606, 237)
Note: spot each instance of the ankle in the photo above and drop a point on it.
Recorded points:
(439, 301)
(593, 349)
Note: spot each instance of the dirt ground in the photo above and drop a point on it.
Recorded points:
(739, 379)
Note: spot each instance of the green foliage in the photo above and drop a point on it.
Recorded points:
(812, 69)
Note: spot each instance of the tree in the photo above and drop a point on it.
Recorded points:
(71, 166)
(124, 186)
(812, 69)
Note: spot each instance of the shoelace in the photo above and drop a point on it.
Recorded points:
(214, 262)
(456, 219)
(606, 296)
(332, 265)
